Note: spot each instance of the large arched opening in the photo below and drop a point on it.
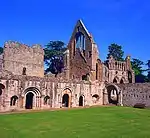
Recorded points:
(13, 100)
(47, 100)
(113, 95)
(95, 98)
(1, 88)
(81, 101)
(29, 100)
(129, 76)
(66, 98)
(31, 97)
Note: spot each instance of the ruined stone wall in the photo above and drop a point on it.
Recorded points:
(82, 62)
(20, 86)
(1, 62)
(118, 70)
(18, 56)
(135, 93)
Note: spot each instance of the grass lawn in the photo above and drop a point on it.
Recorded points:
(96, 122)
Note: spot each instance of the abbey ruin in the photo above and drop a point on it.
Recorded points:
(85, 81)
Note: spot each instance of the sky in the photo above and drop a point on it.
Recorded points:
(125, 22)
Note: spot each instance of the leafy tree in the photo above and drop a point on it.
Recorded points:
(137, 66)
(116, 51)
(138, 70)
(53, 57)
(148, 70)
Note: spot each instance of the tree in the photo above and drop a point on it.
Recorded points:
(137, 67)
(53, 57)
(116, 51)
(1, 50)
(148, 70)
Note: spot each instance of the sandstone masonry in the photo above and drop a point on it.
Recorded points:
(86, 80)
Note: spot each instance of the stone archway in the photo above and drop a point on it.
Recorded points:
(116, 80)
(81, 100)
(129, 76)
(47, 100)
(66, 98)
(122, 81)
(113, 94)
(2, 87)
(95, 98)
(31, 98)
(13, 100)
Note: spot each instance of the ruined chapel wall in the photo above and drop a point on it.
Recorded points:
(135, 93)
(18, 56)
(54, 89)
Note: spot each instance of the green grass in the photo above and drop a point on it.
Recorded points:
(98, 122)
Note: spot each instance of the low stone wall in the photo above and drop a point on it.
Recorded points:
(135, 93)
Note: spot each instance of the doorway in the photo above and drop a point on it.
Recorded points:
(29, 100)
(81, 101)
(65, 100)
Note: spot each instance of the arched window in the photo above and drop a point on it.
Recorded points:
(1, 87)
(46, 100)
(13, 100)
(24, 71)
(96, 71)
(121, 81)
(95, 98)
(84, 77)
(80, 40)
(129, 76)
(115, 80)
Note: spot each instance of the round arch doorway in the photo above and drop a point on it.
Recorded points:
(113, 95)
(81, 101)
(29, 100)
(65, 100)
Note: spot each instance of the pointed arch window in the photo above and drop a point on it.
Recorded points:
(80, 40)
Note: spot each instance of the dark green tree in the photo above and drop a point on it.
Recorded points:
(53, 57)
(1, 50)
(137, 66)
(148, 70)
(116, 51)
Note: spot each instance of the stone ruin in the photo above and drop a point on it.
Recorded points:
(85, 81)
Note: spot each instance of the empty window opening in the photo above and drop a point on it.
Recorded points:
(129, 77)
(115, 80)
(96, 71)
(24, 71)
(80, 40)
(90, 54)
(13, 100)
(121, 81)
(46, 100)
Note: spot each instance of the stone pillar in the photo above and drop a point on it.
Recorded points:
(105, 97)
(53, 96)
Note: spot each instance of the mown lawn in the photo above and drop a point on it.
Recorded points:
(98, 122)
